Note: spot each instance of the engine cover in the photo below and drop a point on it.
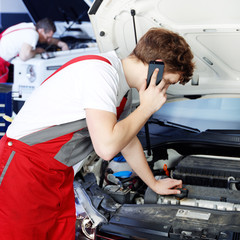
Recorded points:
(208, 171)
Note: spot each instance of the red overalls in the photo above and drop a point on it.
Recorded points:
(3, 68)
(32, 180)
(4, 64)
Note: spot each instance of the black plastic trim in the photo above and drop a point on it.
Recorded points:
(95, 7)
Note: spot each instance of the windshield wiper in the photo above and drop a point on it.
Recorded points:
(164, 123)
(172, 124)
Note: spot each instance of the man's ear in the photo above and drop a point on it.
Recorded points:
(41, 31)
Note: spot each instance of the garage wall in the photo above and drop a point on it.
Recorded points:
(12, 12)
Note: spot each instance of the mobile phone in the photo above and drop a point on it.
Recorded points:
(152, 66)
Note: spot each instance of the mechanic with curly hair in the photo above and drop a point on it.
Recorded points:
(74, 112)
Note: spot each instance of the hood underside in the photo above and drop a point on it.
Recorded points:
(211, 28)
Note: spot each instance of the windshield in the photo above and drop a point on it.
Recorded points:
(203, 114)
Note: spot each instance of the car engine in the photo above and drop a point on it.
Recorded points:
(211, 187)
(211, 182)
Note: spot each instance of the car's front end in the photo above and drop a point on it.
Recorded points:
(194, 137)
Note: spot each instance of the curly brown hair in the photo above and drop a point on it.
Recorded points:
(160, 43)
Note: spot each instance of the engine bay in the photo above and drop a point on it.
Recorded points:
(114, 197)
(212, 182)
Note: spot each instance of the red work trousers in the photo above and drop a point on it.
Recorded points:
(4, 70)
(36, 195)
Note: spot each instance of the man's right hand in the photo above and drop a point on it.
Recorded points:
(153, 97)
(39, 50)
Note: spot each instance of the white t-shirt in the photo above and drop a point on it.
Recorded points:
(14, 37)
(64, 97)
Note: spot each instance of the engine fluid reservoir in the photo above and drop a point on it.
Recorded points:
(119, 164)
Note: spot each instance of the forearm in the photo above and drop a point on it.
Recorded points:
(26, 52)
(125, 130)
(135, 157)
(109, 136)
(54, 41)
(59, 43)
(27, 55)
(30, 54)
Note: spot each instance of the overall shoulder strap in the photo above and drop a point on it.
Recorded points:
(4, 34)
(77, 59)
(92, 57)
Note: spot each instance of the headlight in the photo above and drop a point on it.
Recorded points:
(89, 218)
(31, 75)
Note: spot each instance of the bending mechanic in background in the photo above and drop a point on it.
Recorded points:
(21, 40)
(51, 133)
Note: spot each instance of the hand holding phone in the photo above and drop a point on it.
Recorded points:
(152, 66)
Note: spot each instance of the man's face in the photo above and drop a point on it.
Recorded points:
(171, 78)
(45, 37)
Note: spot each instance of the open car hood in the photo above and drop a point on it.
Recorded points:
(202, 151)
(58, 10)
(211, 28)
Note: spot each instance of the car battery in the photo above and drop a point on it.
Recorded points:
(208, 171)
(119, 194)
(5, 107)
